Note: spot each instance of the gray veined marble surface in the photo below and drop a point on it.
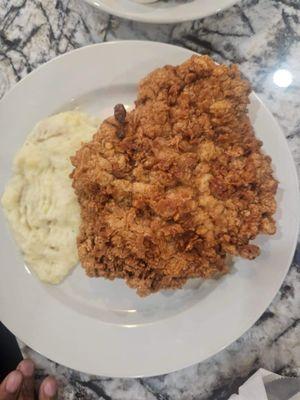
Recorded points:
(262, 36)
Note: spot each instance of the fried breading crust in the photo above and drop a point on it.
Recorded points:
(182, 182)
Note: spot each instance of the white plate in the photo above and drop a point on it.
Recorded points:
(103, 327)
(163, 11)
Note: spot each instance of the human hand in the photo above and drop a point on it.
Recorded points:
(19, 384)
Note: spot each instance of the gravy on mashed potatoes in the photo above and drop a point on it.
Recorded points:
(39, 200)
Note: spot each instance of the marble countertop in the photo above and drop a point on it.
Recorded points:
(262, 36)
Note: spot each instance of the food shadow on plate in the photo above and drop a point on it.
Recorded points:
(162, 3)
(114, 302)
(175, 2)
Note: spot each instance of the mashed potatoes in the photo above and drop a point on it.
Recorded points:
(39, 200)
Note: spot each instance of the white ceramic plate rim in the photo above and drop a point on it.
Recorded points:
(164, 18)
(50, 341)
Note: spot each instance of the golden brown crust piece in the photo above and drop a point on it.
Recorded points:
(183, 182)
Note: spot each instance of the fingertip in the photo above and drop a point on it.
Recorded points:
(49, 387)
(26, 367)
(13, 382)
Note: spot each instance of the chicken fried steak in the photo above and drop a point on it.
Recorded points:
(170, 188)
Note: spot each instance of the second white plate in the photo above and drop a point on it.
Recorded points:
(103, 327)
(163, 11)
